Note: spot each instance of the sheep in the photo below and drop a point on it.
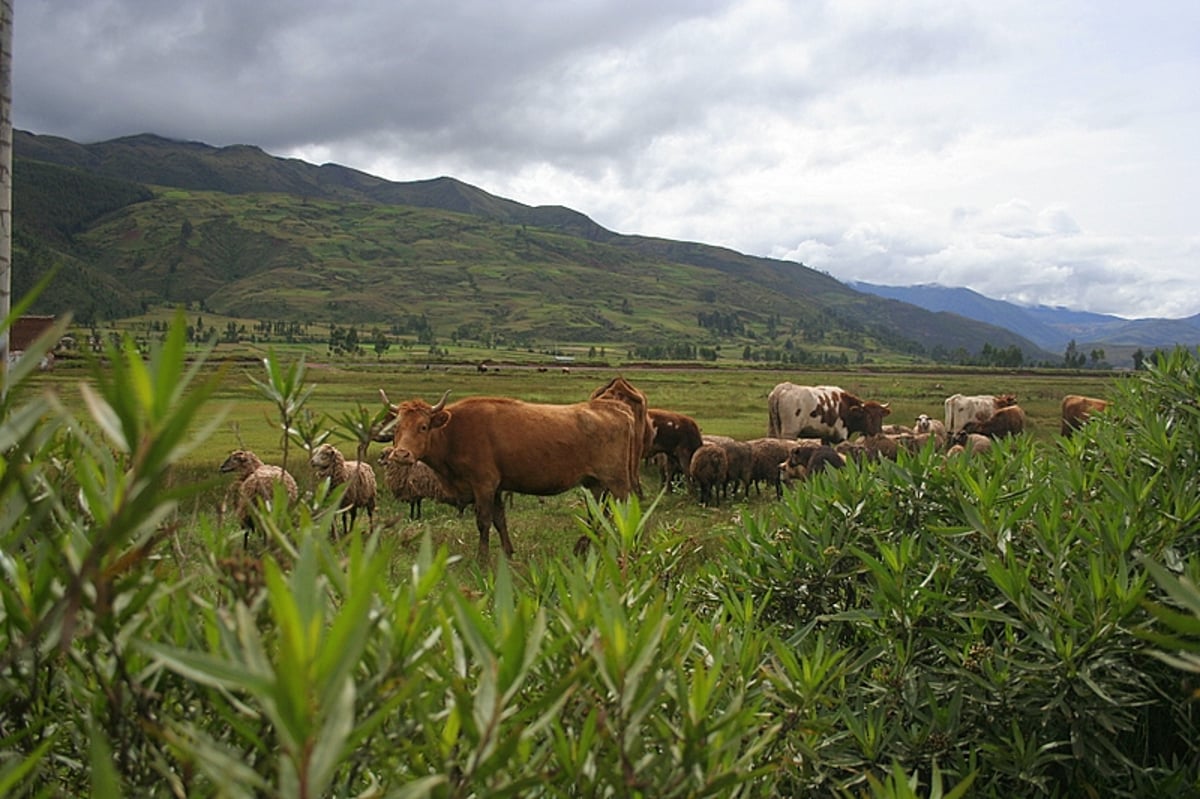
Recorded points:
(255, 480)
(738, 467)
(804, 460)
(765, 456)
(971, 443)
(329, 463)
(414, 482)
(708, 469)
(934, 428)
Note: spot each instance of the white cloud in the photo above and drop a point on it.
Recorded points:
(1038, 150)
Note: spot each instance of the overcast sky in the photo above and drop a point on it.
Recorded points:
(1038, 151)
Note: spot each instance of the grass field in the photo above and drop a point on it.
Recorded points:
(723, 401)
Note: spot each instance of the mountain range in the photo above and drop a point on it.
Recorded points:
(1051, 328)
(140, 221)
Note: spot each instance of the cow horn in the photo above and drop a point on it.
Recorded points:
(441, 403)
(385, 399)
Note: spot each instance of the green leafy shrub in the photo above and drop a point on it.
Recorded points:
(928, 627)
(983, 617)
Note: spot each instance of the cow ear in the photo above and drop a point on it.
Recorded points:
(439, 419)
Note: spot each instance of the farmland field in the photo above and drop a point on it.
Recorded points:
(725, 401)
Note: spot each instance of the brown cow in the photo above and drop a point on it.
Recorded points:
(1077, 409)
(483, 446)
(622, 390)
(1007, 421)
(676, 436)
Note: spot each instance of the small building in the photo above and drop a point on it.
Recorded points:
(25, 331)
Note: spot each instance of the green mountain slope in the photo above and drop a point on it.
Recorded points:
(148, 220)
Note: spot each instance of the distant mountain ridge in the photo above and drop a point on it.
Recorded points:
(1051, 328)
(144, 220)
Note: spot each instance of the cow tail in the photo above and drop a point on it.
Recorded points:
(774, 425)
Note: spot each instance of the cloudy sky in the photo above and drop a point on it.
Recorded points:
(1039, 151)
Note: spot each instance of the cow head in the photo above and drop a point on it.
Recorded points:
(415, 422)
(1005, 400)
(867, 417)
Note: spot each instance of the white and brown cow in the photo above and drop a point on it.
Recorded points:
(1077, 409)
(961, 409)
(825, 412)
(482, 446)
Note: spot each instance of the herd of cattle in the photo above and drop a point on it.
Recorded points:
(477, 450)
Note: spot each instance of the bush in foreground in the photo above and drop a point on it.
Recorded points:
(922, 628)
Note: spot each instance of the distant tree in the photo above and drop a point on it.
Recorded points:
(1073, 358)
(381, 344)
(1139, 359)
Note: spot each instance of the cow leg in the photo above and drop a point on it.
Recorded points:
(500, 519)
(483, 523)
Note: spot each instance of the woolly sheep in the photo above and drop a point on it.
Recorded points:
(738, 467)
(414, 482)
(765, 456)
(359, 477)
(709, 469)
(255, 480)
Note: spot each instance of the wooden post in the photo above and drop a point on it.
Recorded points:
(6, 147)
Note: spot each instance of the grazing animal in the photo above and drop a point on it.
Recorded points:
(737, 455)
(255, 481)
(1007, 421)
(765, 456)
(329, 464)
(414, 482)
(1077, 409)
(888, 446)
(709, 469)
(961, 409)
(622, 390)
(825, 412)
(970, 443)
(483, 446)
(806, 459)
(927, 424)
(676, 436)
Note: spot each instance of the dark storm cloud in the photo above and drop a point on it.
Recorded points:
(284, 74)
